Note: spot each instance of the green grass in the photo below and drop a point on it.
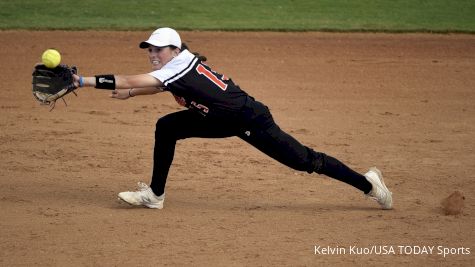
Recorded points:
(254, 15)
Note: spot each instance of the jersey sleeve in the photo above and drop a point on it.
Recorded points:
(162, 74)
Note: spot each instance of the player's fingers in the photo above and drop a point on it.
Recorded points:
(76, 81)
(114, 94)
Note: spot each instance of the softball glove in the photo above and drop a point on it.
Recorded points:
(51, 84)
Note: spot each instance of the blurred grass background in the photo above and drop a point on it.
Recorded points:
(238, 15)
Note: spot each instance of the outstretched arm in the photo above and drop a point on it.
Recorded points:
(126, 86)
(117, 81)
(131, 92)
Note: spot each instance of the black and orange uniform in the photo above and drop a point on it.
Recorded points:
(218, 108)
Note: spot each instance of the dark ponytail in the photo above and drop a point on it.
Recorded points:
(200, 57)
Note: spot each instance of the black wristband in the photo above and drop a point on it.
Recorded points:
(106, 81)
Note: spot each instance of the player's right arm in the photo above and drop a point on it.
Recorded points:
(131, 92)
(136, 81)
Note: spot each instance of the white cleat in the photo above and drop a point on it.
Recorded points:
(380, 192)
(143, 197)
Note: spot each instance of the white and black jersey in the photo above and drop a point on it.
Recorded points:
(229, 111)
(205, 90)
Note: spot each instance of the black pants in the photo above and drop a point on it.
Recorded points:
(265, 136)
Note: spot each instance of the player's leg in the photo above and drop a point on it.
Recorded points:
(284, 148)
(176, 126)
(270, 139)
(169, 129)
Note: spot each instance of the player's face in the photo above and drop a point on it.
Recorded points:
(159, 56)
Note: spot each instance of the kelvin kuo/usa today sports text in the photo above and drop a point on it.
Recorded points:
(391, 250)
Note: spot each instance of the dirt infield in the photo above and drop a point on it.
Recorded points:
(403, 103)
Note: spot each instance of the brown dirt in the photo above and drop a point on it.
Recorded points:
(453, 204)
(403, 102)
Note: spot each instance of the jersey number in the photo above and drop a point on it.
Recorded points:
(204, 71)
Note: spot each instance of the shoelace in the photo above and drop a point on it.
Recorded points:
(376, 195)
(141, 186)
(148, 194)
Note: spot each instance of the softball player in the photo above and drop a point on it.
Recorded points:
(217, 108)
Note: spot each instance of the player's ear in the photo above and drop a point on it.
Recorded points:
(176, 51)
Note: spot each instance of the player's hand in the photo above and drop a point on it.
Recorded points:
(76, 80)
(120, 94)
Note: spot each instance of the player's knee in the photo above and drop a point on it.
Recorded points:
(164, 127)
(319, 162)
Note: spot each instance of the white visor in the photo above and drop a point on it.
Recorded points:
(162, 37)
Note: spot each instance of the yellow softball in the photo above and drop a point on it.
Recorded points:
(51, 58)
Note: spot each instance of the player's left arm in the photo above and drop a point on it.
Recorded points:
(112, 82)
(126, 86)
